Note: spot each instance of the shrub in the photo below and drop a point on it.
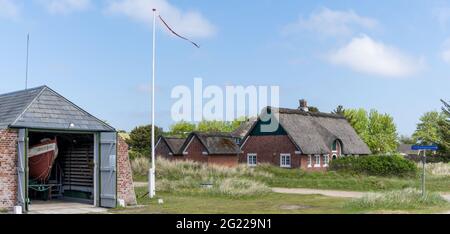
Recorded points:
(375, 165)
(400, 199)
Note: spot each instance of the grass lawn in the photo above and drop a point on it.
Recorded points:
(272, 203)
(342, 181)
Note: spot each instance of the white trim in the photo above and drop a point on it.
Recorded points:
(317, 156)
(326, 163)
(281, 161)
(298, 152)
(309, 160)
(242, 145)
(248, 161)
(170, 154)
(205, 153)
(187, 146)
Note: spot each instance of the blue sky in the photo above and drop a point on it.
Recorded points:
(391, 56)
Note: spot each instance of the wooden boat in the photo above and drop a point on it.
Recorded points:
(41, 158)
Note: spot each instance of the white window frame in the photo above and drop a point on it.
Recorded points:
(317, 156)
(309, 161)
(281, 161)
(326, 160)
(248, 160)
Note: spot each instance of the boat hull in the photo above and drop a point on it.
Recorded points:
(41, 159)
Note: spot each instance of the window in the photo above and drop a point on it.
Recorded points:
(251, 160)
(334, 147)
(285, 160)
(309, 161)
(334, 156)
(326, 160)
(317, 164)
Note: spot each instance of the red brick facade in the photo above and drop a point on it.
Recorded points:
(8, 170)
(125, 188)
(195, 151)
(268, 149)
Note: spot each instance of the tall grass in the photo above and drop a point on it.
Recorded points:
(437, 169)
(194, 177)
(399, 199)
(140, 167)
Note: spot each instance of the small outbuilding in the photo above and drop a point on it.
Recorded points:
(92, 165)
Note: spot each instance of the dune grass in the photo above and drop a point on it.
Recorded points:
(399, 199)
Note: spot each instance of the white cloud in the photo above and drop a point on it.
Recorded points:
(65, 6)
(365, 55)
(9, 10)
(332, 23)
(188, 23)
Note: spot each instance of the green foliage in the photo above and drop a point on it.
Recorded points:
(427, 131)
(313, 109)
(377, 130)
(181, 129)
(406, 140)
(375, 165)
(339, 110)
(140, 139)
(444, 130)
(400, 199)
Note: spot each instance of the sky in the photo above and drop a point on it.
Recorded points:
(392, 56)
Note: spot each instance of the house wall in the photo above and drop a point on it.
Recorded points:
(125, 187)
(268, 149)
(8, 170)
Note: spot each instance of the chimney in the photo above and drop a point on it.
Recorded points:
(303, 105)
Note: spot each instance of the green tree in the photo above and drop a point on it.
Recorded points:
(406, 140)
(427, 131)
(214, 126)
(382, 133)
(339, 110)
(181, 129)
(444, 129)
(377, 130)
(140, 139)
(313, 109)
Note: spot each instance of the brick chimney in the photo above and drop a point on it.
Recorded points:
(303, 105)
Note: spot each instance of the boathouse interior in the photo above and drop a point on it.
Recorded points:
(72, 174)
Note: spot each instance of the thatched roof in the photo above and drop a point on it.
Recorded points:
(174, 143)
(242, 130)
(216, 143)
(314, 133)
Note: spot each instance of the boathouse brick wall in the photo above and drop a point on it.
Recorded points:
(8, 168)
(125, 188)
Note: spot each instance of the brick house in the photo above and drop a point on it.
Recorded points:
(302, 139)
(92, 163)
(211, 148)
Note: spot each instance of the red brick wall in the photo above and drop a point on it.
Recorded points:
(8, 171)
(125, 188)
(269, 148)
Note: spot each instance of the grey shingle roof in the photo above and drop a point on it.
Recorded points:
(314, 133)
(43, 108)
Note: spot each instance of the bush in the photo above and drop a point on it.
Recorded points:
(375, 165)
(400, 199)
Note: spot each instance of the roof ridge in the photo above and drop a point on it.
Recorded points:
(282, 110)
(43, 88)
(22, 91)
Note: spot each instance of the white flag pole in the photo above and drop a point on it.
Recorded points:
(152, 180)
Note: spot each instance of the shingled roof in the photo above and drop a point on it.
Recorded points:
(43, 108)
(216, 143)
(314, 133)
(243, 129)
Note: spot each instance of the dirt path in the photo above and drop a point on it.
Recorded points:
(330, 193)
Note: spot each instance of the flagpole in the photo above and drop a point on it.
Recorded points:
(152, 179)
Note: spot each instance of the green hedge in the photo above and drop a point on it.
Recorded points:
(391, 165)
